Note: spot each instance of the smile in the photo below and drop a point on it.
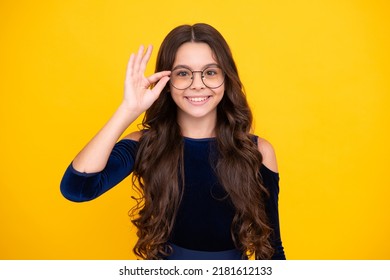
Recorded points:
(198, 100)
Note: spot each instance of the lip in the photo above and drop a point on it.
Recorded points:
(198, 100)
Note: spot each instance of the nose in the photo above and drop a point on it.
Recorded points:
(197, 82)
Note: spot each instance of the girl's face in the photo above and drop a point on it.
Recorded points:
(197, 101)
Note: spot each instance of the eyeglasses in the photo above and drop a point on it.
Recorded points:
(183, 77)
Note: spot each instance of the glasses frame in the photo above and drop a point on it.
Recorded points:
(201, 76)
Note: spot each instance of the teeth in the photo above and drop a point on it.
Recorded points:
(197, 99)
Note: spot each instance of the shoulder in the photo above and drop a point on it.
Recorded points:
(135, 136)
(268, 153)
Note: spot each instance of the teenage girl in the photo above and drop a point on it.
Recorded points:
(208, 187)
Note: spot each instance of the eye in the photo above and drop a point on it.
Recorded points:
(182, 73)
(211, 72)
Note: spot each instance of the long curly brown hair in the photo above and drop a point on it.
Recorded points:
(159, 162)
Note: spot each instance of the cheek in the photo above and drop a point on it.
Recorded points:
(220, 92)
(174, 91)
(175, 94)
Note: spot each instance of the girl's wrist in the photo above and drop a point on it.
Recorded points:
(129, 111)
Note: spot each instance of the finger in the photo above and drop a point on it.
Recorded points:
(157, 89)
(157, 76)
(138, 59)
(145, 59)
(130, 66)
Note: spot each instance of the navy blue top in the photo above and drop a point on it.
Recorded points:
(205, 215)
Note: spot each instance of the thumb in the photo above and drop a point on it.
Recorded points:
(160, 85)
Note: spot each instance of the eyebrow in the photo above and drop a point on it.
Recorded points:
(188, 67)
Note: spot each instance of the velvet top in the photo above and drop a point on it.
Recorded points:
(205, 214)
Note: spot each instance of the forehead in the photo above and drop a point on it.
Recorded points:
(194, 55)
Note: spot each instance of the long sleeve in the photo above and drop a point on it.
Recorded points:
(79, 187)
(271, 182)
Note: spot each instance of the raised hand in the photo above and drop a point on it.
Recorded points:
(139, 95)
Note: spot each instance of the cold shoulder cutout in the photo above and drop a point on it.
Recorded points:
(135, 136)
(268, 153)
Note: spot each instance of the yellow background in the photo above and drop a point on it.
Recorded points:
(317, 77)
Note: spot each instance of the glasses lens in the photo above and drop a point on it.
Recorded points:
(181, 78)
(213, 77)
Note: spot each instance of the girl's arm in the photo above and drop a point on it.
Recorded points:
(138, 97)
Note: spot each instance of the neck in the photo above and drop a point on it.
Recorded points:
(197, 127)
